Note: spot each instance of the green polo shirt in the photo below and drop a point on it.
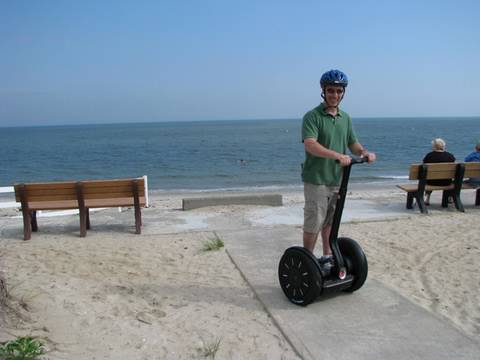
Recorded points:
(333, 132)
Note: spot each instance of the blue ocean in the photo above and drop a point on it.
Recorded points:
(207, 155)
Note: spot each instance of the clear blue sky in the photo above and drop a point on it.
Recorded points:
(66, 62)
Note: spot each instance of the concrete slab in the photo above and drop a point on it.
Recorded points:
(251, 199)
(372, 323)
(355, 210)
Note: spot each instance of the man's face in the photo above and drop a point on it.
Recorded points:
(333, 94)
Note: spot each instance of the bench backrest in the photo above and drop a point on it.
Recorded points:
(121, 188)
(54, 191)
(435, 171)
(472, 170)
(68, 190)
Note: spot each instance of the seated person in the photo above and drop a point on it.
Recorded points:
(438, 155)
(474, 157)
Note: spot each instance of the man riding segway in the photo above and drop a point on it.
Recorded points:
(327, 132)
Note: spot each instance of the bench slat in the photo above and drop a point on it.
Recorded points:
(53, 205)
(414, 187)
(123, 194)
(50, 197)
(439, 175)
(126, 189)
(94, 203)
(472, 169)
(435, 171)
(65, 194)
(98, 203)
(66, 190)
(49, 185)
(112, 183)
(60, 197)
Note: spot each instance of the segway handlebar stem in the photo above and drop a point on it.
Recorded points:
(337, 217)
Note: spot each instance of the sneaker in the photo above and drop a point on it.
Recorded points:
(326, 261)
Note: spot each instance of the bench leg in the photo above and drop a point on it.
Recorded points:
(83, 222)
(27, 230)
(88, 219)
(445, 195)
(458, 202)
(136, 201)
(409, 200)
(138, 220)
(477, 198)
(33, 220)
(421, 203)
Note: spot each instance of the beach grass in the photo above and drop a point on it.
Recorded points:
(22, 348)
(3, 291)
(213, 245)
(210, 349)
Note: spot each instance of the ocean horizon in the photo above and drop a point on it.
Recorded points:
(216, 154)
(387, 118)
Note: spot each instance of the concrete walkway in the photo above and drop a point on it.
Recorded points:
(372, 323)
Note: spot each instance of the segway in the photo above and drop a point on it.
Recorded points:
(303, 278)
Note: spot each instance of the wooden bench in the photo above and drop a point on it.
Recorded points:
(472, 170)
(436, 171)
(82, 195)
(457, 172)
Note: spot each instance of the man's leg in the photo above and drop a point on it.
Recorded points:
(309, 240)
(427, 197)
(326, 239)
(315, 212)
(310, 219)
(327, 224)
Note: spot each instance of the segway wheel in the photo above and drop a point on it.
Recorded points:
(299, 275)
(355, 260)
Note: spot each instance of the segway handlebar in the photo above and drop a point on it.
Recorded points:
(356, 160)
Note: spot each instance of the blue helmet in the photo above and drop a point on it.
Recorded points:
(334, 77)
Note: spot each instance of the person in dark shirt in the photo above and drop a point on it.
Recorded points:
(438, 155)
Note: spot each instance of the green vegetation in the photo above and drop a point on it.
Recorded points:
(213, 245)
(22, 348)
(210, 350)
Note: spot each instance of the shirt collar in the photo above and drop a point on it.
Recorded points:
(323, 107)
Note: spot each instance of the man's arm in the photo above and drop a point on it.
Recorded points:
(357, 149)
(312, 146)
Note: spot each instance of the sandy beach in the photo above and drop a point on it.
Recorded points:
(117, 295)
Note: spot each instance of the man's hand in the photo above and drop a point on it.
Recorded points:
(370, 156)
(344, 160)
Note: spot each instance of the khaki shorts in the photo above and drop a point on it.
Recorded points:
(320, 201)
